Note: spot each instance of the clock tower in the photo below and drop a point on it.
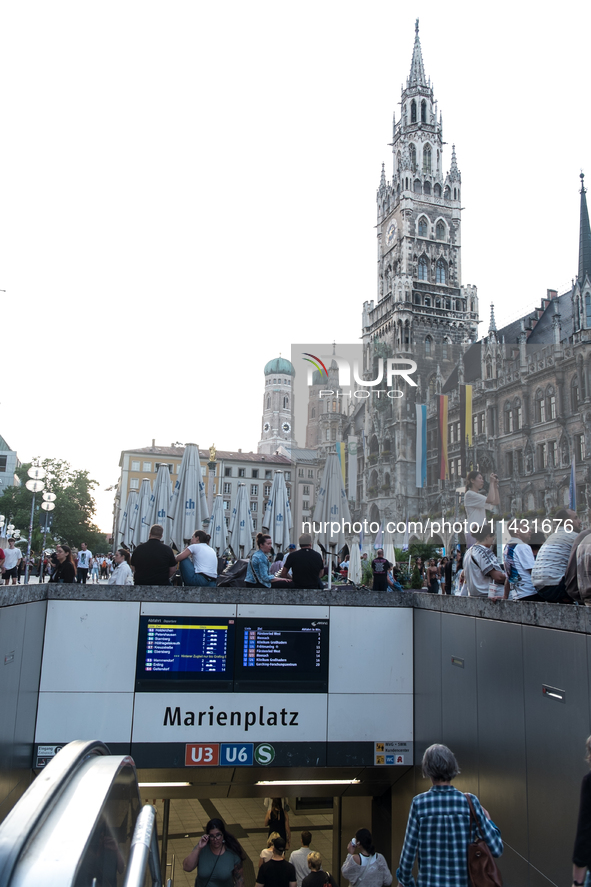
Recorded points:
(421, 305)
(278, 407)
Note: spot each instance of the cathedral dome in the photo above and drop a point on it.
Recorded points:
(279, 365)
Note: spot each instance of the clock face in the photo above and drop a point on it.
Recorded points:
(266, 427)
(391, 233)
(286, 427)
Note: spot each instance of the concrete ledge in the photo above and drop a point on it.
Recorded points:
(560, 617)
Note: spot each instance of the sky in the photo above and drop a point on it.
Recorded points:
(186, 189)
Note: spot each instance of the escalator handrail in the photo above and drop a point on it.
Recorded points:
(144, 850)
(36, 803)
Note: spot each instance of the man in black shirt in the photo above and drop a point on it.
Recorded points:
(380, 567)
(277, 872)
(306, 565)
(152, 562)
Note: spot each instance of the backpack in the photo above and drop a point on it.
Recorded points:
(234, 575)
(583, 556)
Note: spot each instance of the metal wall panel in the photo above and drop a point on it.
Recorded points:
(12, 630)
(459, 696)
(28, 692)
(501, 728)
(427, 681)
(555, 733)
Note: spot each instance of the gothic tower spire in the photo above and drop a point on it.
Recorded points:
(417, 71)
(584, 237)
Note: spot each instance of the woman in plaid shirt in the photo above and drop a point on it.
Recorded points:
(439, 827)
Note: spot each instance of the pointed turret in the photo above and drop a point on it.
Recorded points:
(454, 173)
(417, 71)
(584, 237)
(492, 327)
(383, 178)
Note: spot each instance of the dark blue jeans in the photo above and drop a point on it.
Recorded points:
(190, 577)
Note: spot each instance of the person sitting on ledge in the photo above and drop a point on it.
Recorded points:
(198, 563)
(306, 565)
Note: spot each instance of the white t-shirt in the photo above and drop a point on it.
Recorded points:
(552, 559)
(519, 561)
(13, 556)
(204, 559)
(474, 503)
(84, 558)
(121, 575)
(479, 561)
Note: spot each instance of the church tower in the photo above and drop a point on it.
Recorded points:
(278, 407)
(421, 306)
(581, 294)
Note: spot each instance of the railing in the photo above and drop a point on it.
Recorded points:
(144, 851)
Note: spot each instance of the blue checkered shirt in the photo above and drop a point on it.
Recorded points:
(439, 830)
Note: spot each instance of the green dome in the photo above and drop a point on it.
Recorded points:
(279, 365)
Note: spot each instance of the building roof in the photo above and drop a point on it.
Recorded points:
(301, 454)
(224, 455)
(279, 365)
(584, 237)
(4, 446)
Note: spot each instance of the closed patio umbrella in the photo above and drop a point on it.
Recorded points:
(142, 526)
(241, 528)
(188, 507)
(160, 502)
(355, 562)
(217, 526)
(332, 509)
(129, 518)
(277, 519)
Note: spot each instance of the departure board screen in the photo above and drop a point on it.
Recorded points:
(188, 652)
(281, 654)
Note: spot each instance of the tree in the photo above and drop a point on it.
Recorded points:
(74, 506)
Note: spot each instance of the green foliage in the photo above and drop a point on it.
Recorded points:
(367, 572)
(74, 507)
(415, 578)
(424, 550)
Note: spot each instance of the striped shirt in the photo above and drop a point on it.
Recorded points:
(552, 559)
(438, 830)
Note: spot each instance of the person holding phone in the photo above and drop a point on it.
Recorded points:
(363, 864)
(218, 857)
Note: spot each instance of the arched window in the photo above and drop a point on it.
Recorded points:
(416, 299)
(422, 227)
(398, 162)
(423, 268)
(406, 186)
(413, 111)
(423, 111)
(540, 407)
(334, 434)
(458, 305)
(286, 403)
(440, 271)
(334, 406)
(588, 309)
(427, 301)
(432, 382)
(413, 159)
(509, 419)
(268, 402)
(437, 190)
(574, 394)
(550, 403)
(428, 343)
(328, 433)
(445, 348)
(426, 187)
(313, 413)
(446, 194)
(455, 193)
(438, 303)
(448, 304)
(489, 369)
(427, 159)
(417, 186)
(440, 231)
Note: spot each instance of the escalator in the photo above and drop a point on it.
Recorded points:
(81, 824)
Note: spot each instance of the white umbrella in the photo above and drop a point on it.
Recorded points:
(241, 528)
(129, 518)
(277, 519)
(160, 502)
(142, 526)
(332, 508)
(355, 573)
(188, 508)
(389, 552)
(217, 526)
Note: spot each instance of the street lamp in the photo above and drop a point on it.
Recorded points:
(36, 484)
(47, 505)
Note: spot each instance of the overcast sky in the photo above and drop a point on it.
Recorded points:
(187, 188)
